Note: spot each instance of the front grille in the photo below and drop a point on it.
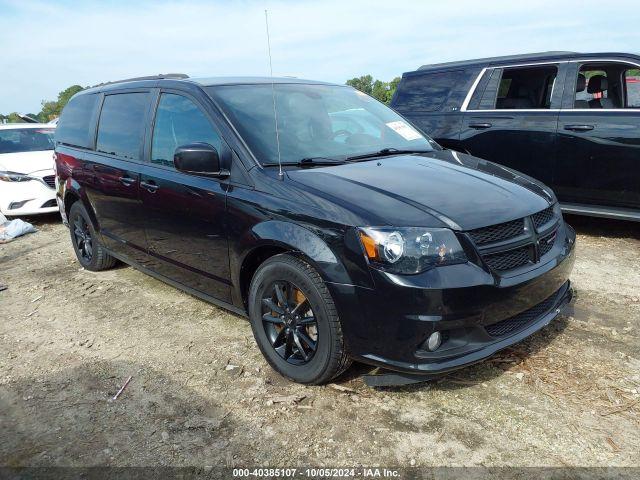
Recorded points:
(50, 180)
(521, 320)
(546, 244)
(510, 245)
(497, 233)
(510, 259)
(542, 218)
(49, 203)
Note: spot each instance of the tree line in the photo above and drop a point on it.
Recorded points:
(51, 109)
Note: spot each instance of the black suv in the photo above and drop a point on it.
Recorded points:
(337, 227)
(569, 119)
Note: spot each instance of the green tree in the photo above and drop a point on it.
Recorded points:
(52, 109)
(364, 84)
(13, 117)
(378, 89)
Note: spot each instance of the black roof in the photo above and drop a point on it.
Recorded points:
(210, 81)
(527, 57)
(167, 79)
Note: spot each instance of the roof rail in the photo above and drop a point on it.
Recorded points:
(503, 58)
(160, 76)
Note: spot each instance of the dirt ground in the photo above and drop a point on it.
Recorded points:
(201, 394)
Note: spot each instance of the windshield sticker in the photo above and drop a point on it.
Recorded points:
(406, 131)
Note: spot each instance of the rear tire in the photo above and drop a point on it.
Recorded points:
(90, 253)
(302, 336)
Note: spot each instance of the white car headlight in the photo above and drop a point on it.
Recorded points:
(15, 177)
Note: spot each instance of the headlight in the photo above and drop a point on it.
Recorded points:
(15, 177)
(412, 249)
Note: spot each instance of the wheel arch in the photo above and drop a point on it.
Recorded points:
(73, 194)
(275, 237)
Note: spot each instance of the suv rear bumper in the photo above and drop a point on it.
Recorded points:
(388, 326)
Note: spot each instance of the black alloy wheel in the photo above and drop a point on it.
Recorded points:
(90, 253)
(84, 241)
(289, 323)
(295, 321)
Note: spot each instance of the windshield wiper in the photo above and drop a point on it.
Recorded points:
(385, 152)
(310, 161)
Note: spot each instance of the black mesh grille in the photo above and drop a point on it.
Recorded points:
(546, 244)
(509, 259)
(542, 218)
(518, 322)
(50, 180)
(497, 233)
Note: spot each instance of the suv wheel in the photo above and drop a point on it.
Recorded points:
(90, 253)
(294, 321)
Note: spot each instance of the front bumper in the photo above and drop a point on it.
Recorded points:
(478, 313)
(27, 198)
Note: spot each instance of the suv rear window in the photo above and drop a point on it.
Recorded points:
(74, 126)
(122, 122)
(426, 91)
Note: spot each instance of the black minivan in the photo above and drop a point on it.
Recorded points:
(570, 120)
(338, 228)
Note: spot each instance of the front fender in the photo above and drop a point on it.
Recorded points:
(295, 237)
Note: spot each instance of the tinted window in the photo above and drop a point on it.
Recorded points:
(526, 87)
(122, 124)
(584, 93)
(632, 82)
(179, 122)
(18, 140)
(74, 126)
(426, 92)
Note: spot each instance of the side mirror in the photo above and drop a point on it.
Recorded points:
(199, 159)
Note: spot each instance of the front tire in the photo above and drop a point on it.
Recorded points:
(295, 322)
(90, 253)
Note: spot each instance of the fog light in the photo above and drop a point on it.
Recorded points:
(15, 205)
(434, 341)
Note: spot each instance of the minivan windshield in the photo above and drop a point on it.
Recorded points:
(314, 121)
(18, 140)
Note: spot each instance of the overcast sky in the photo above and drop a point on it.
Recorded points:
(48, 45)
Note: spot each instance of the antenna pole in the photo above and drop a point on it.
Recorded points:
(273, 96)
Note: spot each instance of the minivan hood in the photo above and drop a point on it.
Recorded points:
(27, 162)
(440, 188)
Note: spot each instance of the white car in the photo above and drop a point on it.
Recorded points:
(27, 180)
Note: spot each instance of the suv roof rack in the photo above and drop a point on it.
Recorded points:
(160, 76)
(504, 58)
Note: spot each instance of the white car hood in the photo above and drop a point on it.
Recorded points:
(27, 162)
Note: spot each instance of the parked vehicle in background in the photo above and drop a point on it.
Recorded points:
(569, 119)
(353, 236)
(27, 181)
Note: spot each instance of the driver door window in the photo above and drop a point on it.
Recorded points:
(178, 122)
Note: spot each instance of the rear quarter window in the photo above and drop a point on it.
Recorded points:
(426, 92)
(75, 124)
(121, 124)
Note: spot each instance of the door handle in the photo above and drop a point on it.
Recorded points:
(127, 181)
(480, 126)
(579, 128)
(150, 186)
